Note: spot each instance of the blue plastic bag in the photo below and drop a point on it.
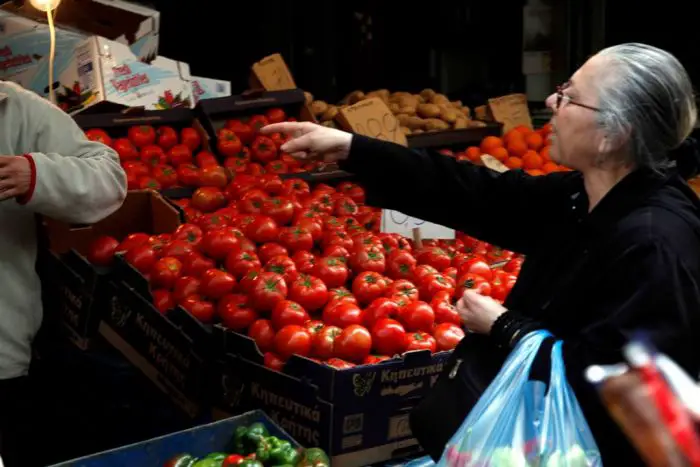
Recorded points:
(518, 423)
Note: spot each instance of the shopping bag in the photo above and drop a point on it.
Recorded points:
(565, 439)
(523, 422)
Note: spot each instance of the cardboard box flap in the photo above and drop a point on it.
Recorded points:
(86, 15)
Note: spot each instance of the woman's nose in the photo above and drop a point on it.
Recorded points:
(551, 101)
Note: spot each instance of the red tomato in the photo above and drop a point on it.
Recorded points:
(148, 183)
(275, 115)
(367, 259)
(228, 143)
(324, 342)
(132, 241)
(352, 190)
(268, 290)
(262, 332)
(477, 266)
(213, 175)
(188, 175)
(199, 308)
(276, 167)
(339, 364)
(216, 283)
(257, 121)
(239, 262)
(402, 289)
(447, 336)
(417, 316)
(153, 155)
(101, 136)
(102, 250)
(432, 284)
(368, 286)
(273, 362)
(142, 135)
(167, 137)
(287, 312)
(420, 341)
(332, 271)
(189, 233)
(421, 271)
(314, 326)
(165, 272)
(343, 313)
(126, 150)
(179, 155)
(400, 264)
(296, 238)
(435, 257)
(284, 266)
(498, 255)
(341, 294)
(270, 250)
(190, 138)
(208, 199)
(206, 159)
(235, 312)
(184, 287)
(380, 308)
(281, 209)
(375, 359)
(310, 292)
(295, 187)
(389, 336)
(165, 175)
(247, 282)
(263, 149)
(142, 258)
(242, 130)
(445, 312)
(513, 266)
(262, 229)
(219, 243)
(293, 340)
(353, 344)
(194, 264)
(163, 300)
(473, 282)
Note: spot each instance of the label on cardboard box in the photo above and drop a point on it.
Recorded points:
(371, 117)
(511, 110)
(208, 88)
(273, 74)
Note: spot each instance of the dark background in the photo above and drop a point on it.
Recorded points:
(330, 54)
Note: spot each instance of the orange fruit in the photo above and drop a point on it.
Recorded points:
(535, 172)
(473, 153)
(534, 141)
(547, 128)
(490, 142)
(510, 136)
(499, 153)
(532, 160)
(517, 147)
(523, 129)
(514, 163)
(544, 153)
(550, 167)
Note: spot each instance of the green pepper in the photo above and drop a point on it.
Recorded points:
(284, 453)
(314, 457)
(181, 460)
(257, 431)
(251, 463)
(208, 463)
(219, 456)
(274, 441)
(262, 452)
(239, 440)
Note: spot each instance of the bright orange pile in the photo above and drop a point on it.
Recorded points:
(519, 148)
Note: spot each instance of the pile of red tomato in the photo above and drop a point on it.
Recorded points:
(163, 157)
(304, 271)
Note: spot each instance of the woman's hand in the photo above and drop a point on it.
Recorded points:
(310, 141)
(478, 312)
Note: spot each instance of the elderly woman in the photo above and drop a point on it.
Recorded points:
(613, 247)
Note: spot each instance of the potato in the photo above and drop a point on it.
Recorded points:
(400, 94)
(407, 101)
(406, 130)
(439, 99)
(403, 118)
(428, 110)
(427, 94)
(460, 123)
(394, 107)
(330, 113)
(449, 115)
(318, 107)
(457, 104)
(435, 124)
(417, 131)
(353, 98)
(377, 94)
(410, 110)
(466, 111)
(476, 124)
(415, 123)
(308, 97)
(420, 99)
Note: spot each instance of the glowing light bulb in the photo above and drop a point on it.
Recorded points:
(45, 5)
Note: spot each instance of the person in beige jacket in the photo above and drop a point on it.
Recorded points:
(47, 167)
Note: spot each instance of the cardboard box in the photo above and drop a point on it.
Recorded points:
(25, 40)
(110, 78)
(359, 416)
(208, 88)
(78, 290)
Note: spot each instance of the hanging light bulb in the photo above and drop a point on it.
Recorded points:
(45, 5)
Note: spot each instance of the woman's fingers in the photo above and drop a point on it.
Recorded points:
(294, 129)
(301, 144)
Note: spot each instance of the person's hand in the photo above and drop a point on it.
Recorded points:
(311, 141)
(479, 312)
(15, 176)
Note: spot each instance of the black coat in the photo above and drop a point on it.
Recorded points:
(593, 280)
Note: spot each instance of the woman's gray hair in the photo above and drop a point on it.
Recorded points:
(647, 96)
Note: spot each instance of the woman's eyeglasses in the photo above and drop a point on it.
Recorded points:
(561, 97)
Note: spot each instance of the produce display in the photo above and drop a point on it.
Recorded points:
(426, 111)
(254, 447)
(163, 157)
(304, 271)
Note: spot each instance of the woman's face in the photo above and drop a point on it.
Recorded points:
(576, 136)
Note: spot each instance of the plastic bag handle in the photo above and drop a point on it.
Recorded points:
(541, 368)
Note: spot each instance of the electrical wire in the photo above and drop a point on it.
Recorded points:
(52, 54)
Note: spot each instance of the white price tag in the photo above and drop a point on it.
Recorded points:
(400, 223)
